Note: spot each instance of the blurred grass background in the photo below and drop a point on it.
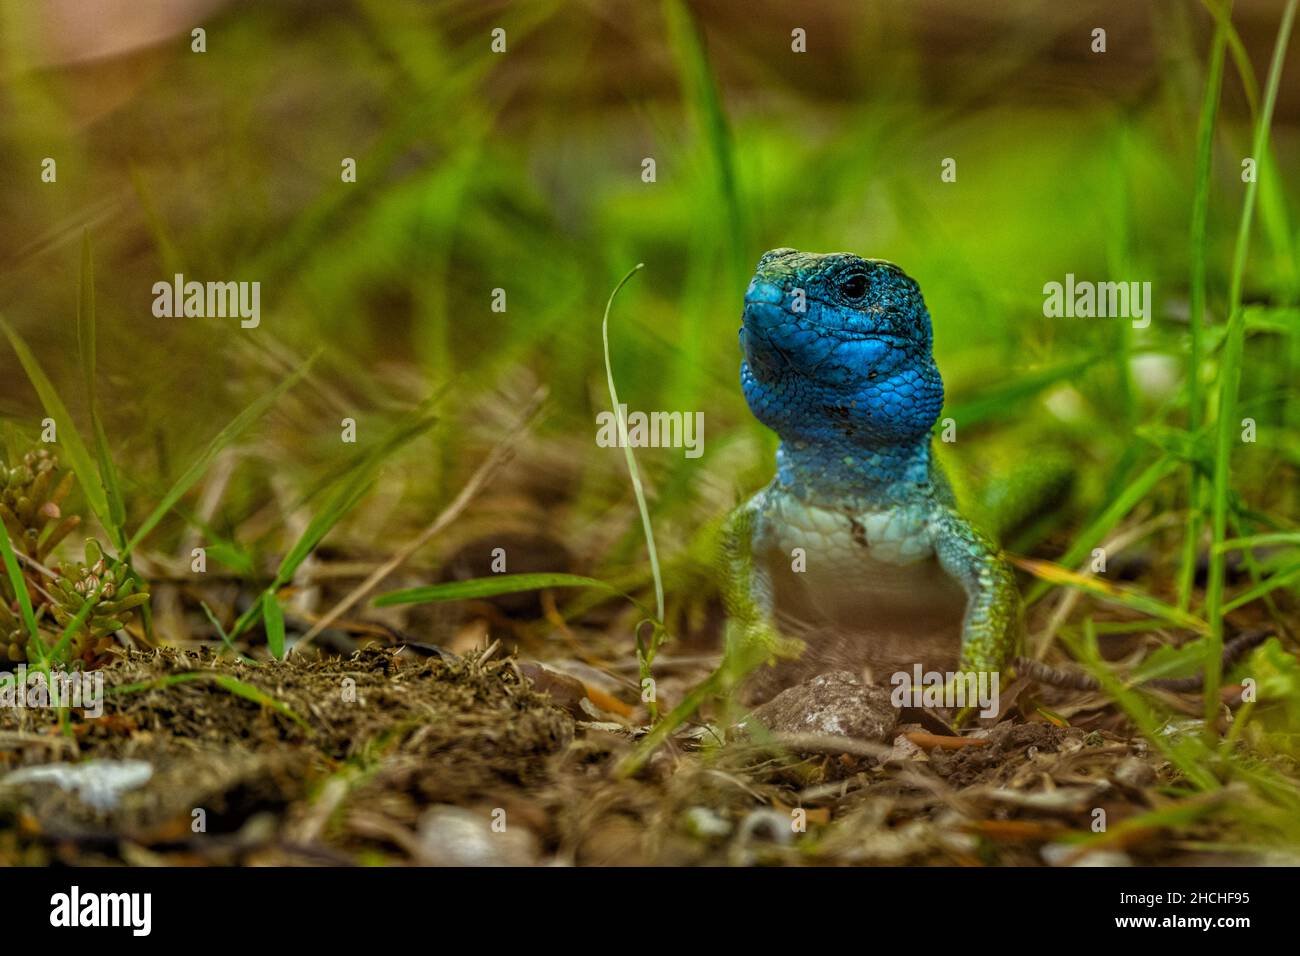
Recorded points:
(522, 171)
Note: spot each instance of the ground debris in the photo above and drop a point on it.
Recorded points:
(389, 757)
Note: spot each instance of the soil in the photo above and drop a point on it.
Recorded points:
(391, 757)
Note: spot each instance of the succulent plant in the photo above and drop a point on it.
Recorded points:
(112, 588)
(13, 636)
(31, 498)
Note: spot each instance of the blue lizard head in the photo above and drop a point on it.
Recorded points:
(837, 349)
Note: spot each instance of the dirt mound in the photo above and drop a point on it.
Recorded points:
(237, 745)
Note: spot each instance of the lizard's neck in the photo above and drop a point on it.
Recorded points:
(840, 471)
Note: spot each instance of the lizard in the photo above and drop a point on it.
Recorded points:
(838, 360)
(857, 553)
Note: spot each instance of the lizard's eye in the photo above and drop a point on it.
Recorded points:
(853, 285)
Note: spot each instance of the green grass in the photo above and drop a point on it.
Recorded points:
(71, 444)
(19, 585)
(1196, 297)
(1228, 427)
(347, 493)
(521, 171)
(199, 466)
(488, 587)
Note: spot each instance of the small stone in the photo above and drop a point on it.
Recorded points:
(1067, 854)
(454, 836)
(704, 822)
(835, 704)
(97, 783)
(1135, 773)
(904, 752)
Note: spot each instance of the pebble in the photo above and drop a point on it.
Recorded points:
(836, 704)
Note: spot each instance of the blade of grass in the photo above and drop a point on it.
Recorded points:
(173, 263)
(1222, 13)
(74, 448)
(1187, 752)
(1196, 313)
(273, 617)
(1230, 383)
(1177, 815)
(700, 90)
(19, 584)
(223, 550)
(339, 504)
(1128, 597)
(489, 587)
(645, 651)
(345, 498)
(495, 460)
(216, 626)
(1282, 578)
(1122, 504)
(632, 469)
(1260, 540)
(1119, 260)
(416, 421)
(1015, 391)
(349, 491)
(227, 683)
(223, 438)
(87, 335)
(86, 348)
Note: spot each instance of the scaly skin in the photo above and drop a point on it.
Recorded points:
(849, 384)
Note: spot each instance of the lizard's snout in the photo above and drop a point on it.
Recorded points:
(763, 292)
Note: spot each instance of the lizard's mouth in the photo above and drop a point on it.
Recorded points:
(766, 310)
(759, 319)
(841, 364)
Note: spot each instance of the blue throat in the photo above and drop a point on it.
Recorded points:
(838, 361)
(841, 471)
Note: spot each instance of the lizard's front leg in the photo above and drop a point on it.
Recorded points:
(752, 636)
(991, 631)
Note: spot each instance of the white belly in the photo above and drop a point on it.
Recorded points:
(871, 596)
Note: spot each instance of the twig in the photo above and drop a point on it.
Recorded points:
(32, 562)
(929, 741)
(817, 744)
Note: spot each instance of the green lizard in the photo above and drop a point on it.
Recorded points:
(857, 549)
(857, 555)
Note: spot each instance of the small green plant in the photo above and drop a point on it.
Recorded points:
(31, 501)
(13, 632)
(79, 605)
(112, 592)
